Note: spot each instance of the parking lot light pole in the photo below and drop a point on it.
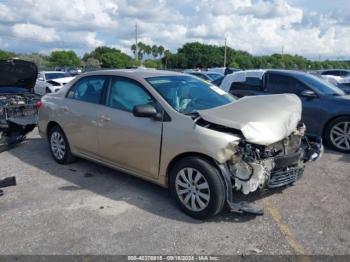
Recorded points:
(136, 48)
(225, 52)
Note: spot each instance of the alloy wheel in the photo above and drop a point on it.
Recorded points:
(192, 189)
(340, 135)
(58, 145)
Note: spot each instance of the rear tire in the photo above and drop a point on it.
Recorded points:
(337, 134)
(59, 146)
(197, 187)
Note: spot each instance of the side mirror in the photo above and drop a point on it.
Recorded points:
(309, 94)
(147, 111)
(40, 78)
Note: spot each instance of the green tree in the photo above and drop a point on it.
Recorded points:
(42, 61)
(92, 63)
(115, 60)
(109, 57)
(6, 55)
(64, 58)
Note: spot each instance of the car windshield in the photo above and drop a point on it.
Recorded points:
(214, 76)
(188, 94)
(320, 86)
(50, 76)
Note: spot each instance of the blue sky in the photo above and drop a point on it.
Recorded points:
(312, 28)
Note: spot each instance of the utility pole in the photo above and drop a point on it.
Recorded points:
(136, 47)
(225, 52)
(282, 50)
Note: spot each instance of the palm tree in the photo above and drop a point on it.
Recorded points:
(133, 49)
(154, 51)
(160, 50)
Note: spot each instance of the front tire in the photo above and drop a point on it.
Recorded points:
(197, 187)
(59, 146)
(337, 134)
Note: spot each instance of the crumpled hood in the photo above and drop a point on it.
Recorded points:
(17, 74)
(263, 120)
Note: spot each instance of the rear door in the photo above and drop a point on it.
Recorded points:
(80, 113)
(130, 142)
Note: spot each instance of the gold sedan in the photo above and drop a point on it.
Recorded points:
(180, 132)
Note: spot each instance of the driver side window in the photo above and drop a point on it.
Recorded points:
(279, 84)
(125, 94)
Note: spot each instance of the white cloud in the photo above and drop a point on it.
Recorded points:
(35, 32)
(256, 26)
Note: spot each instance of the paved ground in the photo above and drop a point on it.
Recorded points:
(85, 208)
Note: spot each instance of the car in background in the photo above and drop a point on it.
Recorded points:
(334, 72)
(207, 76)
(223, 70)
(18, 103)
(342, 82)
(326, 108)
(178, 131)
(43, 85)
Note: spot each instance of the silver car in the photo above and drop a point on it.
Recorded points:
(179, 132)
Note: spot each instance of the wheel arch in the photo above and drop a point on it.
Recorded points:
(51, 125)
(190, 154)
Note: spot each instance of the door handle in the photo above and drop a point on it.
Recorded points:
(104, 118)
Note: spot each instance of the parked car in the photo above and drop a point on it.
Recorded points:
(43, 84)
(207, 76)
(179, 132)
(335, 72)
(342, 82)
(18, 103)
(326, 108)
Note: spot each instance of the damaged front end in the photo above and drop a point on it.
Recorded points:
(18, 116)
(18, 103)
(254, 167)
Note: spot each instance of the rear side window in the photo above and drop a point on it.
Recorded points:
(279, 84)
(251, 83)
(88, 89)
(125, 94)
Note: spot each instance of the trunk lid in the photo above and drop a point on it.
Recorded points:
(263, 120)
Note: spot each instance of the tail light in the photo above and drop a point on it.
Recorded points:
(38, 104)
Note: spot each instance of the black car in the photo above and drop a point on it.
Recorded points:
(335, 72)
(326, 108)
(18, 103)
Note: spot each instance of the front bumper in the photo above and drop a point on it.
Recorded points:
(284, 178)
(272, 172)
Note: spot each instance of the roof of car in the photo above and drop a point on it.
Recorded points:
(135, 73)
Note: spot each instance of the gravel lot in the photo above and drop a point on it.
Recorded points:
(85, 208)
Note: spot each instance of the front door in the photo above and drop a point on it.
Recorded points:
(130, 142)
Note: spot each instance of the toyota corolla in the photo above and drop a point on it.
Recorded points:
(179, 132)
